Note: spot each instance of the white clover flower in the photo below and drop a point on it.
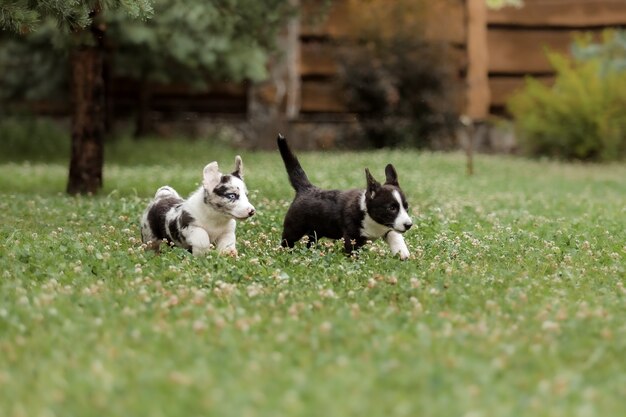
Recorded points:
(224, 289)
(295, 309)
(417, 306)
(491, 305)
(243, 325)
(254, 289)
(199, 297)
(281, 297)
(172, 301)
(219, 322)
(199, 326)
(326, 327)
(129, 312)
(550, 326)
(180, 378)
(327, 293)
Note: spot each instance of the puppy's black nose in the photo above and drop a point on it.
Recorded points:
(251, 212)
(407, 226)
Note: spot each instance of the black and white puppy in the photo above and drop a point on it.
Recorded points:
(354, 215)
(206, 217)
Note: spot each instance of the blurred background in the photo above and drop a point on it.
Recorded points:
(530, 77)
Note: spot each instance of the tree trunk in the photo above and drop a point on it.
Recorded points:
(88, 113)
(107, 77)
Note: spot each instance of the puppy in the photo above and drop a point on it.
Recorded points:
(354, 215)
(206, 217)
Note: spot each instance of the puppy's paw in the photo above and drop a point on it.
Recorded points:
(232, 252)
(200, 250)
(404, 254)
(152, 245)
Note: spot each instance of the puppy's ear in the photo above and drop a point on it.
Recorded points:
(211, 176)
(392, 175)
(372, 184)
(238, 172)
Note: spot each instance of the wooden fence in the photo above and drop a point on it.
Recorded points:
(320, 39)
(495, 49)
(517, 38)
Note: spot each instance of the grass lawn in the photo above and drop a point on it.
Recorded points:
(513, 302)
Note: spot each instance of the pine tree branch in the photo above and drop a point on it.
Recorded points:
(17, 17)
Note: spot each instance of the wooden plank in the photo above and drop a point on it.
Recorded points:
(446, 21)
(321, 97)
(443, 20)
(317, 58)
(478, 57)
(502, 88)
(523, 51)
(323, 18)
(458, 57)
(123, 85)
(568, 13)
(320, 59)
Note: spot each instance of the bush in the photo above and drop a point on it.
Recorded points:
(400, 84)
(582, 115)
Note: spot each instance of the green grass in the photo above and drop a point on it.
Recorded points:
(513, 303)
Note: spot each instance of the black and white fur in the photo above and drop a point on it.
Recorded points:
(206, 217)
(354, 215)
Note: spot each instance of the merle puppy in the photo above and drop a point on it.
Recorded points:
(206, 217)
(354, 215)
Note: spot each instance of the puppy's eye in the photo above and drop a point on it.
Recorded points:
(231, 196)
(392, 207)
(406, 206)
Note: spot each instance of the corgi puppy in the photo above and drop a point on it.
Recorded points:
(208, 217)
(356, 216)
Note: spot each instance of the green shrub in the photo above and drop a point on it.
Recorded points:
(581, 116)
(401, 92)
(402, 85)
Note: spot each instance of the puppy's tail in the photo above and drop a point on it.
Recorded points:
(166, 191)
(297, 176)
